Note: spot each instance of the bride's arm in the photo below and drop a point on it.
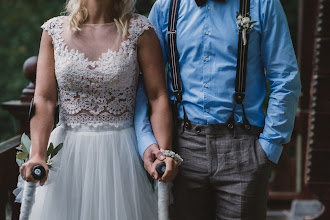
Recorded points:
(45, 102)
(152, 65)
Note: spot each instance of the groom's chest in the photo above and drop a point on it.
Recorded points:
(213, 28)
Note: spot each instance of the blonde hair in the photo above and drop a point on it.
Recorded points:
(77, 13)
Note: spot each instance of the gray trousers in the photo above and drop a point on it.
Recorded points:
(224, 174)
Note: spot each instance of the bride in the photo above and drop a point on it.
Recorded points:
(91, 59)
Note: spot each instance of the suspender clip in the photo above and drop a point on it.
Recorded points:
(239, 97)
(231, 122)
(171, 32)
(178, 95)
(246, 124)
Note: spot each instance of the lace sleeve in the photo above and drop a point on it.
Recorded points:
(54, 28)
(139, 24)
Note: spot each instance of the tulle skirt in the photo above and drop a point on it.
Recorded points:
(97, 175)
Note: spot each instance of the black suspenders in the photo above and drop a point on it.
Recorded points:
(242, 53)
(173, 59)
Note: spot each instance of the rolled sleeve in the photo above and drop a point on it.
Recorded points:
(272, 150)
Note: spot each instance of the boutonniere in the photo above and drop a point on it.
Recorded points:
(244, 24)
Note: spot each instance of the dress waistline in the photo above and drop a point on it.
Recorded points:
(95, 128)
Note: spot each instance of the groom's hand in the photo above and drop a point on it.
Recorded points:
(150, 155)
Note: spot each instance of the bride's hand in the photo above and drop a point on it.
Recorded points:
(149, 156)
(26, 169)
(171, 169)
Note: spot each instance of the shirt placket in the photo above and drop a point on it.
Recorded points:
(207, 60)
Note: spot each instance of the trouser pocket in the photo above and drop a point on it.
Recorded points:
(261, 154)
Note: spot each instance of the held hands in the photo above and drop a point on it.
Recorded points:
(152, 156)
(170, 172)
(26, 169)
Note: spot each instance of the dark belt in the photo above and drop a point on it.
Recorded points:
(218, 129)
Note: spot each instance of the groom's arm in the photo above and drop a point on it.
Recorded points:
(282, 72)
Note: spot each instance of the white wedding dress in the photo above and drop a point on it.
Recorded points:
(98, 174)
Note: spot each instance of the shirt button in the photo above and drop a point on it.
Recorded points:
(207, 33)
(209, 8)
(206, 85)
(207, 110)
(206, 59)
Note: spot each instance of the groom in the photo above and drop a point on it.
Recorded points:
(222, 133)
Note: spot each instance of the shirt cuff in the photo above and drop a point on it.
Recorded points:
(144, 142)
(272, 150)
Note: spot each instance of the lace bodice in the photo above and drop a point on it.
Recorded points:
(102, 91)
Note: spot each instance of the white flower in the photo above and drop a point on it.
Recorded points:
(49, 161)
(240, 17)
(246, 20)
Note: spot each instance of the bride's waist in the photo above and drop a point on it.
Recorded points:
(95, 127)
(102, 122)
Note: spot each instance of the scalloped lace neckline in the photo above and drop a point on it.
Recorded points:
(104, 56)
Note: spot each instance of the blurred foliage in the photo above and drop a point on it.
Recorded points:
(291, 11)
(20, 22)
(20, 36)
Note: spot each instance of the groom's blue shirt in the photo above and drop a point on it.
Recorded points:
(207, 39)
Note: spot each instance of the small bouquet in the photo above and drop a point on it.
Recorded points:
(23, 156)
(244, 24)
(24, 153)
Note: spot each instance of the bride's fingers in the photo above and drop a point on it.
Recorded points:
(149, 156)
(42, 182)
(28, 174)
(159, 155)
(154, 172)
(168, 172)
(171, 170)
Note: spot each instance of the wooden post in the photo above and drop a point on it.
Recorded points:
(8, 167)
(317, 175)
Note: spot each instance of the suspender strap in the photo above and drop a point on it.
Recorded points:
(173, 58)
(173, 51)
(242, 54)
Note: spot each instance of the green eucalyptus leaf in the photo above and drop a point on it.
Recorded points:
(26, 143)
(56, 150)
(50, 149)
(253, 22)
(50, 167)
(19, 148)
(22, 155)
(19, 162)
(23, 148)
